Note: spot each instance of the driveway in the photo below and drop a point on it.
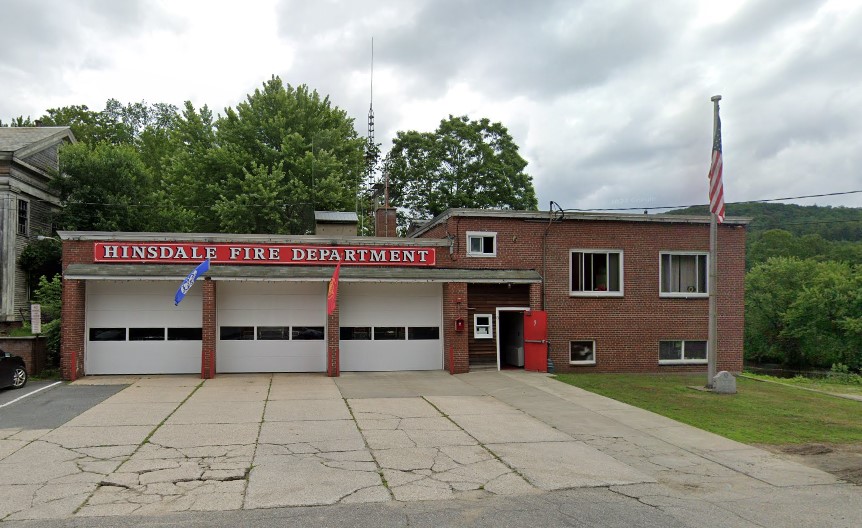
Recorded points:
(174, 444)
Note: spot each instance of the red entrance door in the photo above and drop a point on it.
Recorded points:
(536, 341)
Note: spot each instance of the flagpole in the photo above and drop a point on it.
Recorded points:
(712, 336)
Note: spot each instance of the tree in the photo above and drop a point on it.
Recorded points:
(104, 188)
(463, 163)
(41, 258)
(278, 156)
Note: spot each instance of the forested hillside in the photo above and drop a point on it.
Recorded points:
(803, 287)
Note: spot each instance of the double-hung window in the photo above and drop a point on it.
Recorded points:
(23, 216)
(481, 244)
(596, 272)
(482, 326)
(683, 274)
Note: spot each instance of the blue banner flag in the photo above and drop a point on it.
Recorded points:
(190, 280)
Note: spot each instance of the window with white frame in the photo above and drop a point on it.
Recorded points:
(582, 352)
(481, 244)
(482, 326)
(23, 216)
(596, 272)
(682, 351)
(683, 274)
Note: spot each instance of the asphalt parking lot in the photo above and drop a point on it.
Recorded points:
(159, 446)
(49, 404)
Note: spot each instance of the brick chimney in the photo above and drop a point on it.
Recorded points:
(384, 222)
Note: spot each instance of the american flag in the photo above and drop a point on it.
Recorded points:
(716, 187)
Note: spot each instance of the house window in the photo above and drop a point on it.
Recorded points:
(482, 326)
(683, 274)
(597, 272)
(23, 216)
(582, 352)
(481, 244)
(679, 352)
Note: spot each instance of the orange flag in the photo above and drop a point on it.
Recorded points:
(332, 293)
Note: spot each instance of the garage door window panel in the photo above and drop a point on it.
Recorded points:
(273, 333)
(389, 333)
(236, 333)
(307, 333)
(185, 334)
(107, 334)
(146, 334)
(355, 333)
(416, 333)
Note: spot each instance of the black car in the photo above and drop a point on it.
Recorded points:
(13, 373)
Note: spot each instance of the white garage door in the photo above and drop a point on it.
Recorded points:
(390, 326)
(271, 327)
(133, 327)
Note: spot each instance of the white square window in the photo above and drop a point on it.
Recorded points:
(582, 352)
(683, 274)
(481, 244)
(681, 352)
(596, 272)
(482, 326)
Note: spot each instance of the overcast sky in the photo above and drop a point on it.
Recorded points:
(608, 100)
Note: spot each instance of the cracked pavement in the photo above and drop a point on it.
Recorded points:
(248, 442)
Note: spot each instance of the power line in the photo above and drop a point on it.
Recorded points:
(764, 200)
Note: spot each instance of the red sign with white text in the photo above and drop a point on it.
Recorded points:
(274, 254)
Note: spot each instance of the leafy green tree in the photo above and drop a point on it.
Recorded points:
(40, 258)
(104, 188)
(289, 137)
(826, 316)
(463, 163)
(771, 288)
(48, 294)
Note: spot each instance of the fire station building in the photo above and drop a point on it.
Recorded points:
(469, 289)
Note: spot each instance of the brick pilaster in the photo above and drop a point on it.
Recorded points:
(208, 329)
(72, 329)
(456, 358)
(333, 354)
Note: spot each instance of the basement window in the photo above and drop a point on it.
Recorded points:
(481, 244)
(681, 352)
(582, 352)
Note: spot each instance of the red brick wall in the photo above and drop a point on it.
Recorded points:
(31, 349)
(385, 222)
(72, 329)
(208, 329)
(456, 360)
(333, 334)
(627, 329)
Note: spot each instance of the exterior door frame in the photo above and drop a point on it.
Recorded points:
(497, 325)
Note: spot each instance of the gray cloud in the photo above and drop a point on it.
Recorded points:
(609, 100)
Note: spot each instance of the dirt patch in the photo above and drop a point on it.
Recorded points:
(842, 460)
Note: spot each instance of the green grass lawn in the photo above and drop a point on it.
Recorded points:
(760, 413)
(824, 384)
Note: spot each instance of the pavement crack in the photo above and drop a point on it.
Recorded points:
(383, 480)
(256, 443)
